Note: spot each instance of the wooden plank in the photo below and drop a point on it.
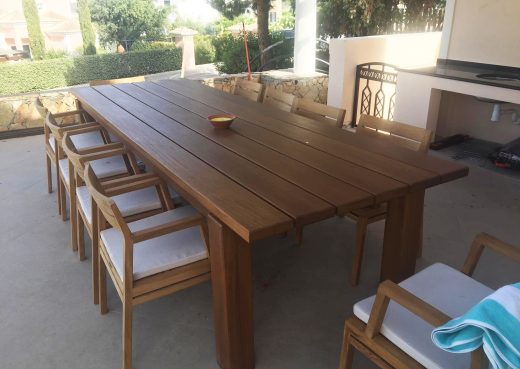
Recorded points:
(413, 176)
(206, 188)
(300, 205)
(232, 284)
(382, 187)
(343, 196)
(447, 170)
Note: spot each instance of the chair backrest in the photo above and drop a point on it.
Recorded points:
(278, 99)
(41, 109)
(98, 82)
(320, 112)
(405, 135)
(105, 204)
(251, 90)
(53, 126)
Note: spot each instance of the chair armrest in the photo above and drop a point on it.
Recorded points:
(134, 185)
(101, 155)
(388, 291)
(482, 241)
(170, 227)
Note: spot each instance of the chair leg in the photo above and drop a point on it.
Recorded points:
(97, 266)
(299, 235)
(49, 173)
(347, 350)
(102, 283)
(127, 333)
(58, 193)
(361, 232)
(74, 225)
(63, 202)
(81, 238)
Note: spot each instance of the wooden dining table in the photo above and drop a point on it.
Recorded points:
(270, 172)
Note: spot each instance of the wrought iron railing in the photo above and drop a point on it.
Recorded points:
(374, 91)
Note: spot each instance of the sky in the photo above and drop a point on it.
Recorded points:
(198, 10)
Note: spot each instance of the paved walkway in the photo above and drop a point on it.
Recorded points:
(47, 319)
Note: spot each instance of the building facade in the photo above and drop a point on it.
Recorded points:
(58, 21)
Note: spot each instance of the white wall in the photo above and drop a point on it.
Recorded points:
(485, 31)
(403, 50)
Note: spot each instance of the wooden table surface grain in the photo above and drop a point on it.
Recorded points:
(270, 172)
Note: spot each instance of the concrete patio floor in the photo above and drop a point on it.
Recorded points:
(48, 321)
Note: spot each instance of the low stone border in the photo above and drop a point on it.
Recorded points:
(314, 87)
(20, 113)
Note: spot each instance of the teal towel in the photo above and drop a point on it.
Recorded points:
(494, 322)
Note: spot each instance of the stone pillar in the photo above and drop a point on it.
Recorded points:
(305, 37)
(184, 39)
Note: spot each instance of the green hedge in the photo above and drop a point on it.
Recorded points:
(46, 74)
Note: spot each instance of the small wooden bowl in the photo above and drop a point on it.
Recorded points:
(221, 121)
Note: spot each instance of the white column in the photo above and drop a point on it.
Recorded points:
(305, 37)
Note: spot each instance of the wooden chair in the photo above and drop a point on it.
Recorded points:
(148, 258)
(82, 141)
(405, 135)
(98, 82)
(277, 99)
(134, 205)
(393, 328)
(77, 116)
(249, 89)
(320, 112)
(410, 137)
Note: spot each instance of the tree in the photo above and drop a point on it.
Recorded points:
(262, 13)
(126, 21)
(36, 41)
(85, 23)
(375, 17)
(231, 9)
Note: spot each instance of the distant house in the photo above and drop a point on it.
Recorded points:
(58, 21)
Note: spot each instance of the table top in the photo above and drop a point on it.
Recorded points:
(272, 170)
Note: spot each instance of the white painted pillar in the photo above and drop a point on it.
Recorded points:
(305, 37)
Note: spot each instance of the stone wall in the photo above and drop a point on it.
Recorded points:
(19, 112)
(313, 88)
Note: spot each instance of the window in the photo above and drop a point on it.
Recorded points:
(272, 17)
(73, 6)
(167, 3)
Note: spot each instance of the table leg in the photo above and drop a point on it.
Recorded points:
(403, 236)
(231, 279)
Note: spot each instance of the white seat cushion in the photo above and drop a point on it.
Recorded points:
(103, 168)
(63, 164)
(87, 140)
(108, 167)
(445, 288)
(158, 254)
(130, 203)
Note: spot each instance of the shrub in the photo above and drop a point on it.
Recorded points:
(204, 49)
(230, 53)
(46, 74)
(55, 54)
(152, 45)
